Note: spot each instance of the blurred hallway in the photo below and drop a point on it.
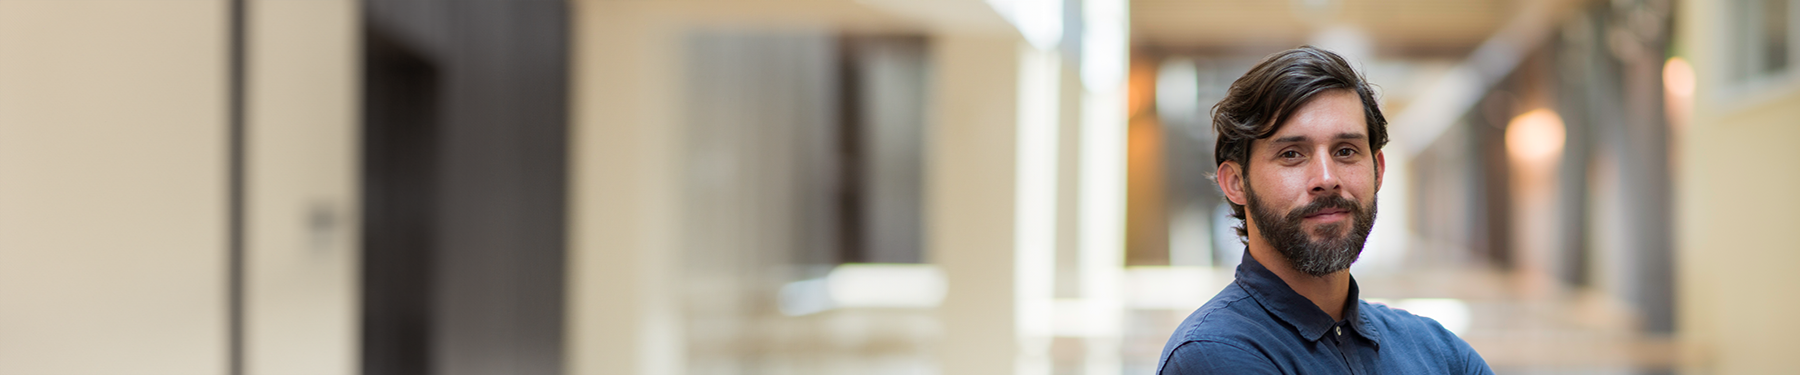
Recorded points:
(857, 186)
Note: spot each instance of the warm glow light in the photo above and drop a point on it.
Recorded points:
(1678, 77)
(1678, 94)
(1535, 136)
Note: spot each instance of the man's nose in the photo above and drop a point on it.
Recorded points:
(1325, 180)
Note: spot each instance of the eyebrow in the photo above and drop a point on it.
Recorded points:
(1302, 138)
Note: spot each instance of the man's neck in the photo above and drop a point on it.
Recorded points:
(1329, 292)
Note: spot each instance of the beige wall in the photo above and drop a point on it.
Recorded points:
(113, 171)
(301, 312)
(1735, 172)
(112, 186)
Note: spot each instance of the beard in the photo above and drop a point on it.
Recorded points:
(1339, 245)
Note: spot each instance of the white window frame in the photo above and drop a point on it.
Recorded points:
(1744, 85)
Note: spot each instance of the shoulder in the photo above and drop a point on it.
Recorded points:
(1423, 339)
(1222, 318)
(1223, 334)
(1215, 357)
(1389, 316)
(1404, 325)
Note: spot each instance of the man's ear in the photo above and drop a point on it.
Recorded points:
(1231, 181)
(1380, 168)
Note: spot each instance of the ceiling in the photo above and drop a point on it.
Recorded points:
(1392, 27)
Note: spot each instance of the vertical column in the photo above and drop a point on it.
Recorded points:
(1104, 58)
(302, 252)
(625, 175)
(1035, 210)
(969, 198)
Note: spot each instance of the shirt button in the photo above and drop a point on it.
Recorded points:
(1340, 330)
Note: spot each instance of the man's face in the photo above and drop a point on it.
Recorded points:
(1311, 186)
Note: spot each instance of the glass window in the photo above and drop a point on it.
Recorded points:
(1774, 37)
(1764, 39)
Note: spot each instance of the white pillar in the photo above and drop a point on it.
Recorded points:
(1104, 58)
(969, 200)
(1035, 210)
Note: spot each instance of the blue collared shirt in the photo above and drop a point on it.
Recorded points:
(1259, 325)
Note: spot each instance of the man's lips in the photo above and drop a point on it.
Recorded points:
(1326, 212)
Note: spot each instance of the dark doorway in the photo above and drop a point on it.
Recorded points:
(465, 186)
(399, 185)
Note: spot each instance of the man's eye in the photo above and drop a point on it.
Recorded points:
(1346, 151)
(1290, 154)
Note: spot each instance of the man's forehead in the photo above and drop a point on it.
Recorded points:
(1301, 137)
(1337, 114)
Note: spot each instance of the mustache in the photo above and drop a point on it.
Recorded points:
(1325, 203)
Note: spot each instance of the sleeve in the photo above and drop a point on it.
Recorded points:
(1211, 357)
(1466, 360)
(1472, 362)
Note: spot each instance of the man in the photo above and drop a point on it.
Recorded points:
(1300, 140)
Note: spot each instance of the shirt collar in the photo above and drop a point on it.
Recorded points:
(1294, 309)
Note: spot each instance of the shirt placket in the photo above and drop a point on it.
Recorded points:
(1338, 343)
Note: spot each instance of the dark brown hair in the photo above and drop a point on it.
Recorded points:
(1257, 103)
